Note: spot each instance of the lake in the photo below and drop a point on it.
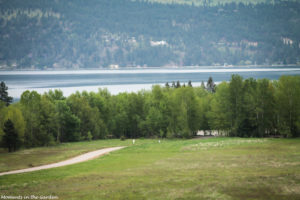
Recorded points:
(129, 80)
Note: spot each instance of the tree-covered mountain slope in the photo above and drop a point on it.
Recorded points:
(101, 33)
(215, 2)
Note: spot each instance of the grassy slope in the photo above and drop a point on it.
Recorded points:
(45, 155)
(219, 168)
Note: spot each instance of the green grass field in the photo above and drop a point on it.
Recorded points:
(45, 155)
(217, 168)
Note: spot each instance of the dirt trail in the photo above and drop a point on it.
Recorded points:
(77, 159)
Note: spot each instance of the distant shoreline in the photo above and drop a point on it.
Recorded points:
(130, 79)
(143, 68)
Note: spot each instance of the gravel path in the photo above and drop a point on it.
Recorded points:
(81, 158)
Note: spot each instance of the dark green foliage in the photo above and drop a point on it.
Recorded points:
(250, 108)
(4, 94)
(58, 34)
(55, 95)
(173, 84)
(123, 138)
(210, 85)
(246, 128)
(31, 108)
(288, 105)
(89, 116)
(10, 139)
(243, 108)
(167, 85)
(68, 124)
(235, 102)
(265, 112)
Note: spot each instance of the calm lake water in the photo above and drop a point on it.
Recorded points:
(129, 80)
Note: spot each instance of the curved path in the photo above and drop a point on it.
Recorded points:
(77, 159)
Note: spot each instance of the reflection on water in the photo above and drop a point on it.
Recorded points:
(127, 80)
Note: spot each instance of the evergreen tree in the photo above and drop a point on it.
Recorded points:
(4, 94)
(178, 84)
(10, 139)
(190, 83)
(210, 85)
(173, 84)
(167, 85)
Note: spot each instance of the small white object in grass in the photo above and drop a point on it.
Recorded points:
(133, 141)
(158, 141)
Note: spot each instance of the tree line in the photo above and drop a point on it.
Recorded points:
(243, 108)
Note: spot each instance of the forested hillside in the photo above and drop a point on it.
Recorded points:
(214, 2)
(90, 34)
